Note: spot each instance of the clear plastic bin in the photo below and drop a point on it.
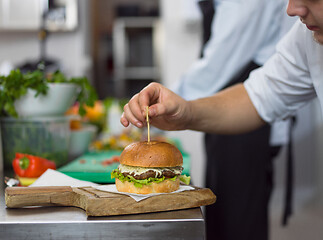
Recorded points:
(47, 137)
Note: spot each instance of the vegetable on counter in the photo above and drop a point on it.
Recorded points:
(16, 85)
(110, 161)
(26, 165)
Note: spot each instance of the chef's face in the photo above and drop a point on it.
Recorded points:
(310, 13)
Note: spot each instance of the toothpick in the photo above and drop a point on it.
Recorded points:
(147, 118)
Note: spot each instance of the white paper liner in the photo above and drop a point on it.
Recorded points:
(55, 178)
(138, 197)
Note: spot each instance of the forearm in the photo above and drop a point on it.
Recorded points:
(228, 112)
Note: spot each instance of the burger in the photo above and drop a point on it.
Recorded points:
(149, 167)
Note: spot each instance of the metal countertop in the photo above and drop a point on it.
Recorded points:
(72, 223)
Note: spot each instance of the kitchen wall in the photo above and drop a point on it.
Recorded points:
(71, 49)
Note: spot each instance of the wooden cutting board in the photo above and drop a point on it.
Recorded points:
(100, 203)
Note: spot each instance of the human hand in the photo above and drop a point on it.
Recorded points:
(167, 111)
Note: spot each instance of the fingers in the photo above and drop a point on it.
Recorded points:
(135, 110)
(132, 113)
(124, 121)
(151, 96)
(128, 116)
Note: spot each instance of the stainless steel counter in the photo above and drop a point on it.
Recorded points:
(72, 223)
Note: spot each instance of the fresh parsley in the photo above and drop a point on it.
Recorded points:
(16, 85)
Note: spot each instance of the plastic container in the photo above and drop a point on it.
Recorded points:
(113, 125)
(46, 137)
(81, 139)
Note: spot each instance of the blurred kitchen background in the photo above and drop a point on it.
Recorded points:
(121, 46)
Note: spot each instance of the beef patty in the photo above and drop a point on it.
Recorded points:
(167, 173)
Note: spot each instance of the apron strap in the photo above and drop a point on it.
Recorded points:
(289, 176)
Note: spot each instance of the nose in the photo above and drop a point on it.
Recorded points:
(296, 8)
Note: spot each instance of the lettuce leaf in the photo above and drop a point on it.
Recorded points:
(138, 183)
(185, 179)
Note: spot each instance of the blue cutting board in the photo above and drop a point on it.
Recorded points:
(90, 167)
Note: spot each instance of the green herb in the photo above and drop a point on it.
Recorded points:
(45, 139)
(185, 179)
(16, 85)
(87, 95)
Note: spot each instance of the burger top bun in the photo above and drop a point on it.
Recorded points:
(151, 154)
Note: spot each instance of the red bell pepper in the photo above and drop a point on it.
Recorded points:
(26, 165)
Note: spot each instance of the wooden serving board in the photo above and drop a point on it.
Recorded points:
(100, 203)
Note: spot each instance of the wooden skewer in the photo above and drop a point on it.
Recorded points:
(147, 118)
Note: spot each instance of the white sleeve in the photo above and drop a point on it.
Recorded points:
(283, 84)
(238, 31)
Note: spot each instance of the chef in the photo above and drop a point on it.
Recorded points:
(241, 38)
(287, 81)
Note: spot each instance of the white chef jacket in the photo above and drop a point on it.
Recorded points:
(244, 31)
(292, 76)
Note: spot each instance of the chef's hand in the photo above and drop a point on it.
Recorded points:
(167, 111)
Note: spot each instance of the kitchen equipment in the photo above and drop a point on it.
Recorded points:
(99, 203)
(47, 137)
(81, 139)
(92, 166)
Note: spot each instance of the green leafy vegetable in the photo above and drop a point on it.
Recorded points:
(185, 179)
(87, 95)
(45, 139)
(138, 183)
(16, 84)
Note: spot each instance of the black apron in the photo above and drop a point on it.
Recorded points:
(239, 170)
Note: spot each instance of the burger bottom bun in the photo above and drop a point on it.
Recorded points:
(165, 186)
